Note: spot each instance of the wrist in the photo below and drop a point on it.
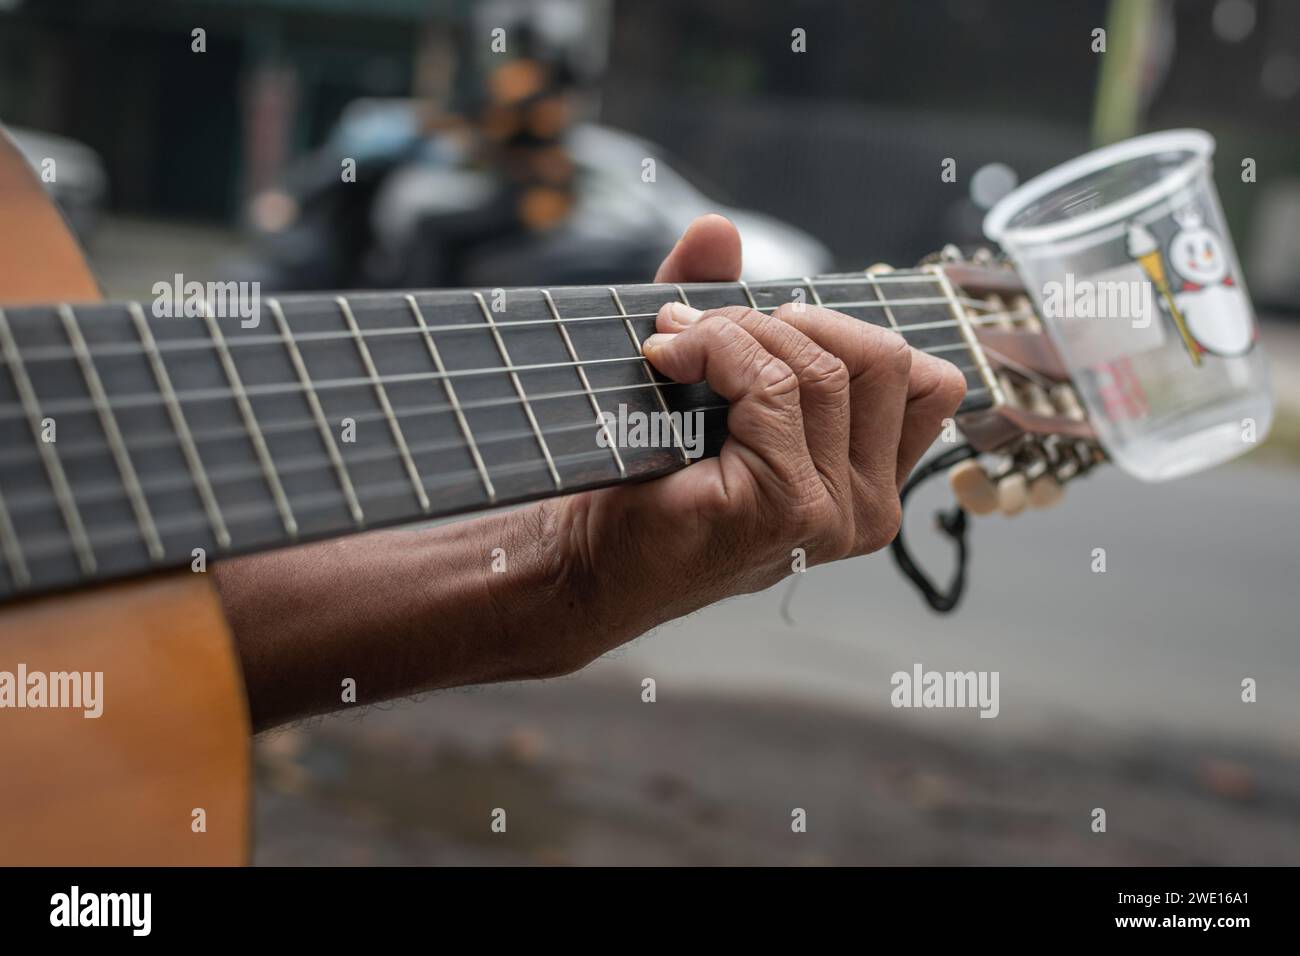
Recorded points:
(546, 593)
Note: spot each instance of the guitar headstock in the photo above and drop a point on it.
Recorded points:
(1034, 429)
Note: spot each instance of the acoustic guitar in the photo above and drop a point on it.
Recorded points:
(136, 447)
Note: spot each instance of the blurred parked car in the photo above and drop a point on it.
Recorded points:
(414, 216)
(78, 181)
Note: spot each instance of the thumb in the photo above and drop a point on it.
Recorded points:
(709, 251)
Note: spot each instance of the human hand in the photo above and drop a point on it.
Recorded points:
(828, 417)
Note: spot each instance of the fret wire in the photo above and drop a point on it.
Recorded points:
(52, 353)
(586, 384)
(649, 374)
(236, 473)
(455, 402)
(382, 394)
(213, 394)
(318, 412)
(188, 448)
(38, 547)
(282, 425)
(519, 389)
(250, 423)
(108, 422)
(748, 295)
(968, 333)
(233, 474)
(681, 292)
(294, 464)
(889, 313)
(817, 298)
(50, 457)
(484, 403)
(13, 550)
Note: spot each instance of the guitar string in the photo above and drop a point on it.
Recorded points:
(37, 549)
(36, 500)
(167, 438)
(34, 549)
(46, 353)
(15, 410)
(50, 545)
(234, 475)
(53, 352)
(78, 406)
(277, 426)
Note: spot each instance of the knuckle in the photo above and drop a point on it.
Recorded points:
(774, 379)
(810, 517)
(952, 384)
(740, 314)
(717, 325)
(845, 540)
(881, 522)
(836, 539)
(897, 354)
(827, 372)
(723, 334)
(938, 379)
(886, 352)
(751, 320)
(791, 312)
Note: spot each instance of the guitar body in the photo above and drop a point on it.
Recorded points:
(161, 776)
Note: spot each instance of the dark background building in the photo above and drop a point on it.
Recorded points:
(844, 140)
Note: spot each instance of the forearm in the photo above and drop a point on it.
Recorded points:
(401, 612)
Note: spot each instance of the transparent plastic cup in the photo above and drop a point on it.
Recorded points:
(1127, 256)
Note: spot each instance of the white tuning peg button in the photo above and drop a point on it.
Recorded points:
(972, 488)
(880, 268)
(1045, 491)
(1013, 494)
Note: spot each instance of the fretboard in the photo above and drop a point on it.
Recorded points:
(131, 442)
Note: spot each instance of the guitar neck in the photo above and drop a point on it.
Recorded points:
(134, 438)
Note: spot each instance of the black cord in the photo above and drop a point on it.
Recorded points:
(952, 523)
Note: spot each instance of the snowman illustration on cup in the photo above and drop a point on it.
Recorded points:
(1211, 311)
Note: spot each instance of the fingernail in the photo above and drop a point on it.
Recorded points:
(657, 341)
(683, 314)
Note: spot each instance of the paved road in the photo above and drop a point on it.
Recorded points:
(1202, 589)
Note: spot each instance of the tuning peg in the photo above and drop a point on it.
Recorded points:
(1013, 494)
(1045, 491)
(972, 488)
(880, 268)
(1067, 401)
